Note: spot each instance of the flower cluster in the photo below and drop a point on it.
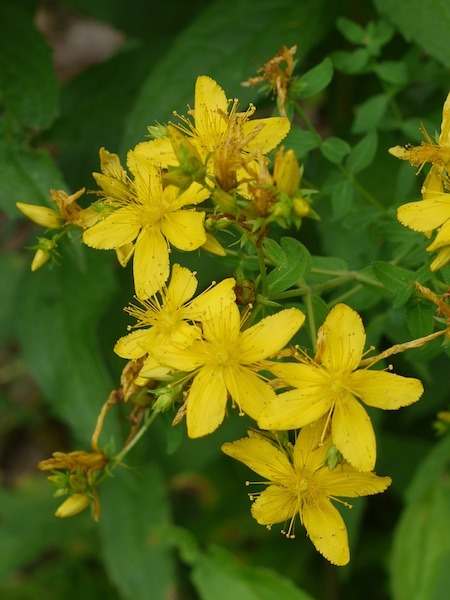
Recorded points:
(205, 172)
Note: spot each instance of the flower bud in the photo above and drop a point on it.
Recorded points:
(72, 505)
(42, 215)
(287, 172)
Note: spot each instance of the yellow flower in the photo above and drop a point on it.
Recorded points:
(224, 138)
(429, 151)
(166, 321)
(331, 385)
(300, 483)
(226, 362)
(155, 215)
(432, 212)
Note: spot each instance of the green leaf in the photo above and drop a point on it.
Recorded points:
(220, 43)
(351, 62)
(60, 310)
(421, 551)
(352, 32)
(320, 310)
(370, 113)
(275, 253)
(325, 266)
(301, 141)
(363, 153)
(27, 78)
(342, 198)
(134, 512)
(393, 72)
(217, 576)
(424, 22)
(420, 318)
(297, 268)
(315, 80)
(397, 280)
(334, 149)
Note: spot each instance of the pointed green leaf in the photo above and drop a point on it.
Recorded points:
(315, 80)
(370, 113)
(297, 268)
(363, 153)
(397, 280)
(334, 149)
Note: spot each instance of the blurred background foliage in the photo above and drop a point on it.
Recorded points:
(76, 75)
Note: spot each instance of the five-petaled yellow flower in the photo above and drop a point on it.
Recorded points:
(332, 385)
(155, 215)
(227, 361)
(224, 138)
(300, 483)
(170, 319)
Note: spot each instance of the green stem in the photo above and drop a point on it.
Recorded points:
(117, 460)
(311, 321)
(362, 190)
(262, 270)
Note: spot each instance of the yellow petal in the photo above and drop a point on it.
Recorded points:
(224, 329)
(385, 390)
(152, 369)
(248, 391)
(441, 259)
(184, 229)
(206, 402)
(195, 194)
(353, 433)
(425, 214)
(133, 345)
(209, 106)
(433, 184)
(181, 359)
(124, 253)
(444, 138)
(270, 133)
(345, 481)
(157, 152)
(310, 448)
(262, 457)
(326, 529)
(300, 375)
(274, 505)
(151, 262)
(270, 335)
(211, 302)
(442, 238)
(118, 229)
(181, 288)
(213, 245)
(294, 409)
(42, 215)
(341, 339)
